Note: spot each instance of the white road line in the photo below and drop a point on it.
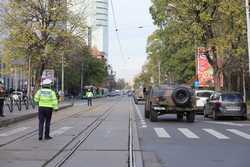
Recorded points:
(239, 133)
(143, 122)
(228, 123)
(14, 131)
(216, 134)
(188, 133)
(60, 131)
(161, 133)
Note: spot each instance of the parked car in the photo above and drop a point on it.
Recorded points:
(130, 93)
(225, 104)
(114, 93)
(139, 95)
(170, 99)
(201, 99)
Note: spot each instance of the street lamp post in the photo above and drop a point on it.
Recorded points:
(159, 71)
(248, 30)
(62, 83)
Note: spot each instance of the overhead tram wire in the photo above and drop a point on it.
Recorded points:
(117, 31)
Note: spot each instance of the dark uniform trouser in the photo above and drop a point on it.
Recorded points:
(44, 115)
(1, 106)
(89, 101)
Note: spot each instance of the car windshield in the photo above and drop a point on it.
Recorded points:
(159, 92)
(232, 97)
(204, 94)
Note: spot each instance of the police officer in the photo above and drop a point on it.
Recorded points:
(47, 102)
(2, 95)
(89, 95)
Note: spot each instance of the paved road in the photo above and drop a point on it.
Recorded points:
(206, 143)
(100, 136)
(96, 136)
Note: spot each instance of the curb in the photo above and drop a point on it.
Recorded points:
(10, 121)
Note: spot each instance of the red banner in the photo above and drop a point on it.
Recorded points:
(204, 69)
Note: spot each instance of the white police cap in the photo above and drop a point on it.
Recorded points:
(46, 82)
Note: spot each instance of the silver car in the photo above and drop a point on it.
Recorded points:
(225, 104)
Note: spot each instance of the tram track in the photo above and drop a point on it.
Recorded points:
(78, 140)
(131, 156)
(34, 132)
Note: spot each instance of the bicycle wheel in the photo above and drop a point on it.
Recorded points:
(26, 103)
(9, 104)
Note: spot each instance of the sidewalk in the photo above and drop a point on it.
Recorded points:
(17, 116)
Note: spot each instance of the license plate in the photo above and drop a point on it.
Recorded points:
(233, 108)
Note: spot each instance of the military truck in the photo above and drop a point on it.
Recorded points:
(170, 99)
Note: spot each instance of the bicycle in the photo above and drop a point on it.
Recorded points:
(9, 102)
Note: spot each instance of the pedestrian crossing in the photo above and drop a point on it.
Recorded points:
(199, 134)
(162, 133)
(14, 131)
(60, 131)
(23, 130)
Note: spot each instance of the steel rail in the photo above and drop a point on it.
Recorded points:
(131, 157)
(33, 133)
(87, 131)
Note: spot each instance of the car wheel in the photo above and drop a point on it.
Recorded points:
(191, 116)
(153, 116)
(180, 116)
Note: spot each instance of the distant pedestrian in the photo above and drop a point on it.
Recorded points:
(2, 96)
(90, 96)
(47, 102)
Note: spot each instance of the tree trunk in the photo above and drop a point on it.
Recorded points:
(217, 79)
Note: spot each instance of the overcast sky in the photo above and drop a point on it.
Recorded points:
(129, 15)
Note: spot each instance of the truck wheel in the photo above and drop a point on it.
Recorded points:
(190, 116)
(146, 113)
(153, 116)
(181, 96)
(180, 116)
(244, 118)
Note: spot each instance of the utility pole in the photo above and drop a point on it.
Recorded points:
(248, 32)
(244, 85)
(159, 71)
(29, 77)
(62, 83)
(81, 78)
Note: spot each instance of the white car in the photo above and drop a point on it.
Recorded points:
(201, 98)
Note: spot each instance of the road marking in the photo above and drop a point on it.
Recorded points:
(161, 133)
(239, 133)
(143, 122)
(228, 123)
(60, 131)
(188, 133)
(14, 131)
(216, 134)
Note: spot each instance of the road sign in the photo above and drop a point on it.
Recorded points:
(48, 74)
(196, 84)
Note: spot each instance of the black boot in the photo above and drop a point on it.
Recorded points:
(48, 138)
